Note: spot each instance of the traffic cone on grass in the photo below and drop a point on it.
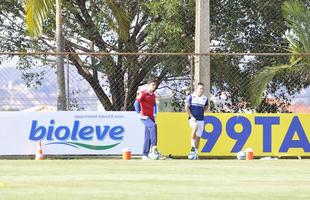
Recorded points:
(39, 154)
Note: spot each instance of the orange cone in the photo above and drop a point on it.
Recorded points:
(39, 154)
(249, 154)
(126, 154)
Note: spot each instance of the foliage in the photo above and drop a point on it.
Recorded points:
(112, 26)
(36, 13)
(297, 17)
(164, 26)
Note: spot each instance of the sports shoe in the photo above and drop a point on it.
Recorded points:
(193, 154)
(155, 150)
(154, 154)
(145, 158)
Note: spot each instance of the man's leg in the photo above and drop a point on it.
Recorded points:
(147, 142)
(199, 131)
(193, 125)
(197, 143)
(152, 128)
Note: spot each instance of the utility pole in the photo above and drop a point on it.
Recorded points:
(202, 45)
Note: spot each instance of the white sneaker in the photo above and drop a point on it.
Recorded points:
(154, 154)
(145, 158)
(193, 155)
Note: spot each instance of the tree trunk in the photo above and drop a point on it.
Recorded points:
(61, 87)
(133, 83)
(117, 81)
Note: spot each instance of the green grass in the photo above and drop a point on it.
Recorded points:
(140, 180)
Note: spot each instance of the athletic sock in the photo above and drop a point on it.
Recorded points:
(193, 142)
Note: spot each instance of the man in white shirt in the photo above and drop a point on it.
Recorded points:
(195, 105)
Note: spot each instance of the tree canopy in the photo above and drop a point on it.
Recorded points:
(297, 17)
(160, 26)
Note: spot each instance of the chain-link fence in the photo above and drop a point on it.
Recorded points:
(93, 83)
(246, 36)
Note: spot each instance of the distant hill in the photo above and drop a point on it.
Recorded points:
(15, 95)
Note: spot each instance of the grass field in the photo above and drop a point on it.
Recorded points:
(169, 179)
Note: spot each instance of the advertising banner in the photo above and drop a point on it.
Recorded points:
(227, 134)
(108, 133)
(74, 133)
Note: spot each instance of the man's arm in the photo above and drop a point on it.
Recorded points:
(155, 109)
(206, 106)
(141, 96)
(188, 110)
(137, 106)
(187, 107)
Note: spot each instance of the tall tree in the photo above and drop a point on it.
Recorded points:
(37, 11)
(161, 26)
(115, 27)
(297, 17)
(242, 26)
(126, 73)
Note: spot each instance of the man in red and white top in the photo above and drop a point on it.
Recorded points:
(145, 105)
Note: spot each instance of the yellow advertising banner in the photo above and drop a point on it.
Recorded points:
(227, 134)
